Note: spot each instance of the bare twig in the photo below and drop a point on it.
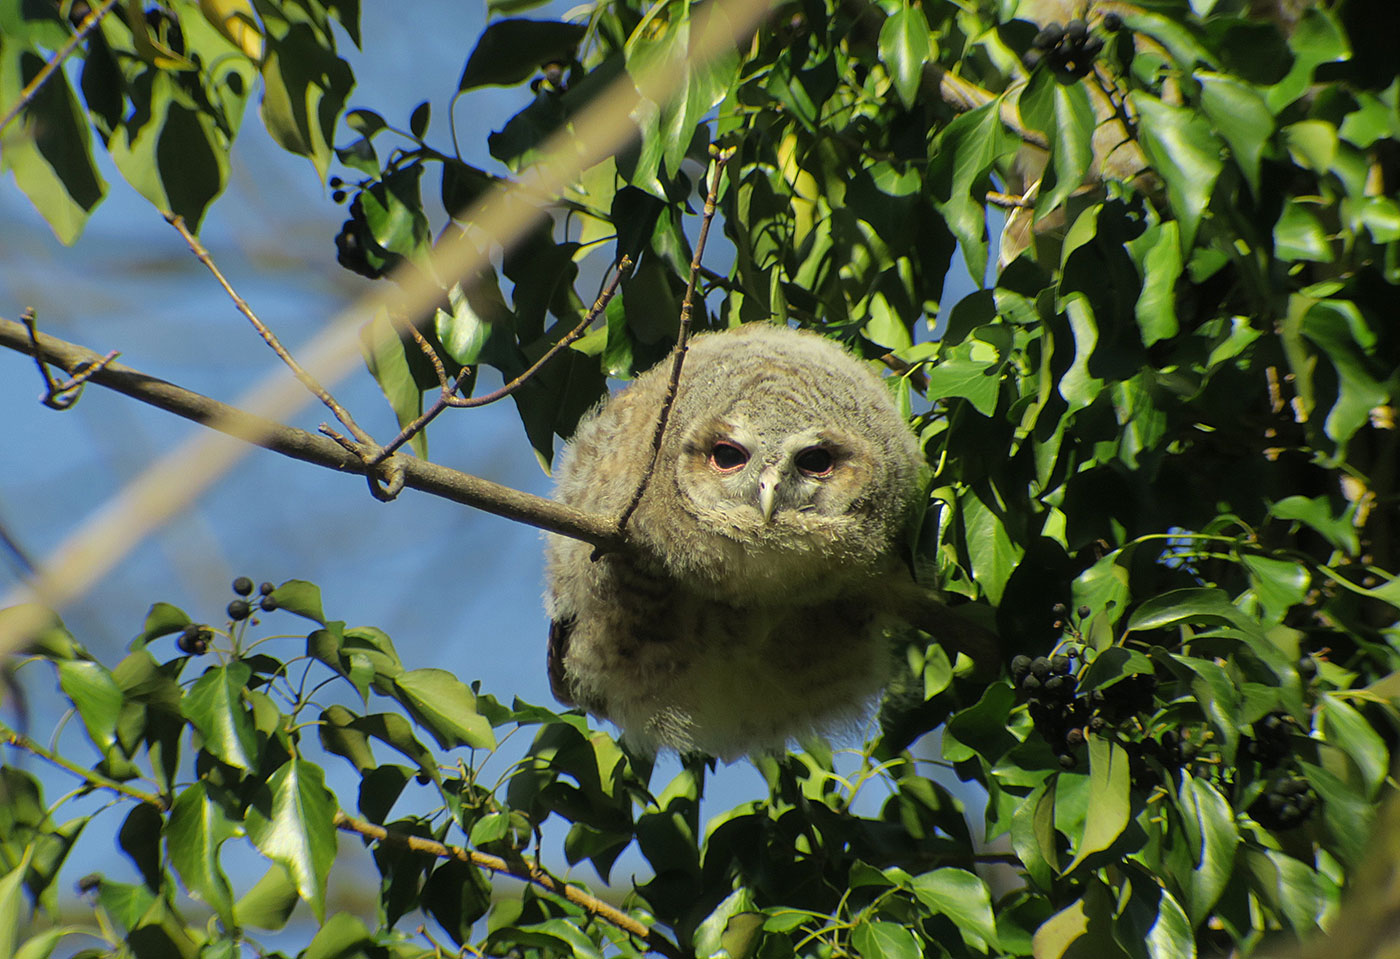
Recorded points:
(520, 870)
(61, 396)
(32, 88)
(448, 396)
(307, 380)
(910, 372)
(721, 157)
(90, 776)
(1010, 200)
(299, 444)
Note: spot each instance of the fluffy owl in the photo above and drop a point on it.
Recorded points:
(767, 562)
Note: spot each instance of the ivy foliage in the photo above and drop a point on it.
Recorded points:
(1162, 435)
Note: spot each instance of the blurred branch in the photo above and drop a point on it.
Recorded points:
(90, 776)
(520, 870)
(299, 444)
(32, 88)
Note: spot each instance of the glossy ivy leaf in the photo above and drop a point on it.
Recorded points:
(1033, 833)
(723, 927)
(884, 940)
(1109, 806)
(214, 704)
(1239, 114)
(292, 822)
(384, 352)
(300, 597)
(446, 707)
(1157, 254)
(97, 696)
(1212, 837)
(1184, 150)
(970, 370)
(1347, 729)
(198, 826)
(1155, 922)
(963, 897)
(162, 620)
(967, 148)
(305, 86)
(511, 51)
(394, 213)
(269, 903)
(906, 44)
(1063, 113)
(342, 935)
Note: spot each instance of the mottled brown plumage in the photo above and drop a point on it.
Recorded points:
(767, 564)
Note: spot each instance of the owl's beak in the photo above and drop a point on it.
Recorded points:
(768, 494)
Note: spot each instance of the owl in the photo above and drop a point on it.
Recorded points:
(768, 551)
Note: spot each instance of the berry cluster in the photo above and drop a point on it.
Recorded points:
(1286, 804)
(241, 609)
(1051, 692)
(1069, 51)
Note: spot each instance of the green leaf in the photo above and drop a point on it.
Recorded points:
(305, 86)
(969, 370)
(97, 697)
(198, 825)
(1184, 150)
(1241, 117)
(1345, 728)
(735, 910)
(1298, 235)
(511, 51)
(1109, 806)
(13, 909)
(162, 620)
(292, 822)
(446, 707)
(300, 597)
(48, 146)
(1280, 584)
(343, 936)
(1033, 833)
(906, 44)
(1209, 824)
(214, 704)
(1063, 113)
(1158, 256)
(384, 353)
(1195, 606)
(885, 940)
(269, 904)
(962, 897)
(1154, 918)
(1316, 39)
(967, 148)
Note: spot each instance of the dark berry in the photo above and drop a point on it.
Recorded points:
(1059, 664)
(1075, 737)
(1307, 668)
(1020, 666)
(1040, 667)
(90, 883)
(1048, 37)
(239, 609)
(1067, 761)
(268, 604)
(1112, 22)
(1031, 684)
(1076, 30)
(1060, 610)
(337, 196)
(194, 640)
(242, 586)
(266, 588)
(335, 182)
(1054, 685)
(1084, 612)
(1092, 48)
(1098, 724)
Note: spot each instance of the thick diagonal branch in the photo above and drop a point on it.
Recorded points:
(308, 447)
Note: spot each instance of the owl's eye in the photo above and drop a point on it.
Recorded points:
(728, 457)
(814, 461)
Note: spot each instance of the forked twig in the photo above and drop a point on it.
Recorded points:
(448, 389)
(32, 88)
(306, 379)
(721, 157)
(60, 396)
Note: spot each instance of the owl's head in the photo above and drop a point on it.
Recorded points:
(791, 448)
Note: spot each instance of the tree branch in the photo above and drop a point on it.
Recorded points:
(520, 870)
(320, 451)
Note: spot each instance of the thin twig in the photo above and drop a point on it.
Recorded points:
(1010, 200)
(418, 474)
(31, 89)
(90, 776)
(448, 392)
(61, 396)
(520, 870)
(307, 380)
(721, 157)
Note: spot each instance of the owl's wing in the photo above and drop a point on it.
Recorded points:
(921, 609)
(559, 684)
